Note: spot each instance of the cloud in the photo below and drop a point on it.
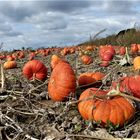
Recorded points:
(49, 21)
(6, 30)
(67, 6)
(120, 6)
(62, 22)
(13, 33)
(18, 10)
(5, 27)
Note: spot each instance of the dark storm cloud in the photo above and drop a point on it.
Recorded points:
(19, 10)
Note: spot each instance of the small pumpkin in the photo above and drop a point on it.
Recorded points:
(10, 65)
(86, 59)
(62, 82)
(87, 78)
(134, 48)
(106, 52)
(35, 69)
(107, 56)
(2, 57)
(21, 55)
(64, 52)
(122, 51)
(136, 63)
(89, 48)
(104, 63)
(138, 47)
(9, 58)
(117, 110)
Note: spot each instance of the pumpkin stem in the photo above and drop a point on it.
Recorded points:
(33, 77)
(114, 92)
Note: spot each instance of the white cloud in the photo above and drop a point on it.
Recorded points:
(46, 23)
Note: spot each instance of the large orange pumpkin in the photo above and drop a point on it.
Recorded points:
(10, 65)
(129, 84)
(87, 78)
(117, 110)
(62, 82)
(35, 69)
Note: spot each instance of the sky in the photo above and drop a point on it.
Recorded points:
(25, 23)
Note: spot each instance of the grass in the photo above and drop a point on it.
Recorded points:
(126, 39)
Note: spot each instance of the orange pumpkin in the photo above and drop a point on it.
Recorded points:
(21, 55)
(129, 84)
(138, 47)
(117, 110)
(10, 65)
(122, 51)
(35, 69)
(64, 52)
(104, 63)
(106, 52)
(86, 59)
(136, 63)
(9, 58)
(134, 48)
(89, 48)
(62, 82)
(87, 78)
(2, 57)
(54, 60)
(14, 56)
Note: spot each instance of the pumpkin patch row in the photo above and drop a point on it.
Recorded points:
(94, 103)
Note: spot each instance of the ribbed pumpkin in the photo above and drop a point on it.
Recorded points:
(62, 82)
(136, 63)
(10, 65)
(35, 69)
(87, 78)
(117, 110)
(106, 52)
(129, 84)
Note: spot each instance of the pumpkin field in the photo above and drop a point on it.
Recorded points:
(70, 93)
